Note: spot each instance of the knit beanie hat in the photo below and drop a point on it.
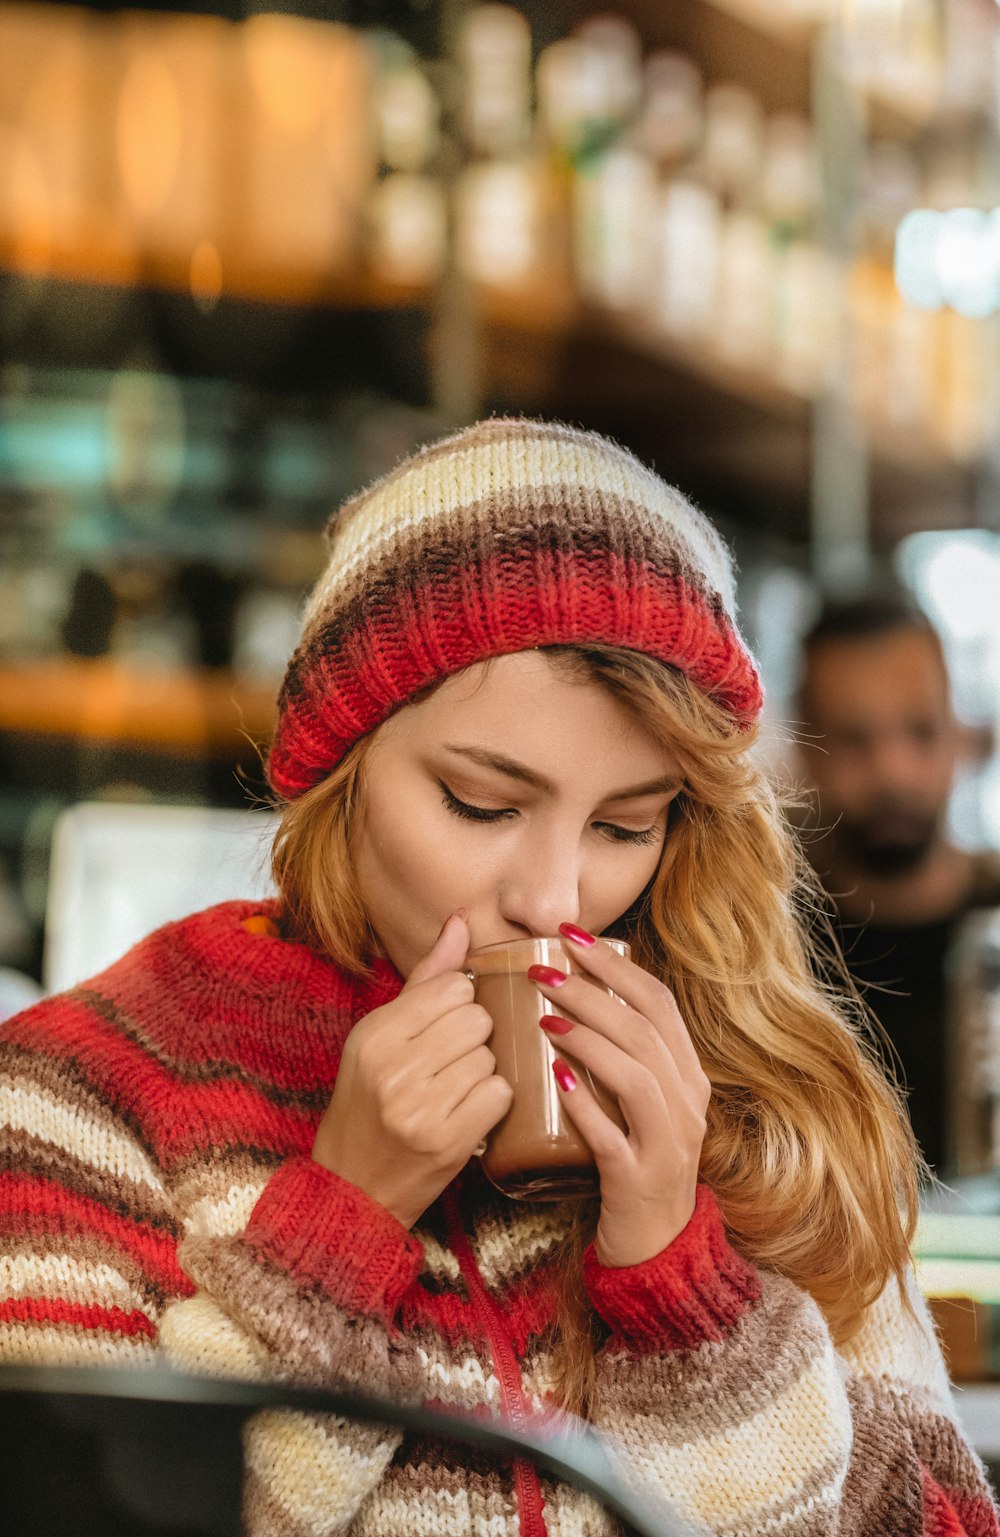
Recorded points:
(508, 535)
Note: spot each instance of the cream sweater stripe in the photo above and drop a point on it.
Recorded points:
(63, 1125)
(317, 1470)
(814, 1403)
(68, 1278)
(45, 1345)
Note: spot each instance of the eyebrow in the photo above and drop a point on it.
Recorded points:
(665, 785)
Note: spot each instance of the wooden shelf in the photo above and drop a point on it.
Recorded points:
(734, 436)
(772, 20)
(732, 40)
(192, 713)
(553, 314)
(899, 111)
(103, 260)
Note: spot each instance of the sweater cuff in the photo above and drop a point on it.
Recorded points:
(693, 1291)
(324, 1231)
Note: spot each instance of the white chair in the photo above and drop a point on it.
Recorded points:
(17, 991)
(118, 871)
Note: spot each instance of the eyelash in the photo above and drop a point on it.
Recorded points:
(458, 808)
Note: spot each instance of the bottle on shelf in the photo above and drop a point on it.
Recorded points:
(806, 276)
(688, 213)
(406, 214)
(894, 340)
(500, 193)
(495, 56)
(613, 180)
(733, 157)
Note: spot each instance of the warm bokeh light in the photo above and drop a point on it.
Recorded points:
(148, 131)
(131, 138)
(288, 66)
(206, 275)
(28, 211)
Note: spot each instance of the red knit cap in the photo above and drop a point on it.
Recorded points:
(509, 535)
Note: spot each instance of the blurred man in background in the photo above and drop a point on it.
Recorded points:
(880, 743)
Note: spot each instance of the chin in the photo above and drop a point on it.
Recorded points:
(895, 859)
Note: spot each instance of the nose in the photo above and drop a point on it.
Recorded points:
(897, 765)
(541, 888)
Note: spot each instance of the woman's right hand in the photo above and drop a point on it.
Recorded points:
(417, 1089)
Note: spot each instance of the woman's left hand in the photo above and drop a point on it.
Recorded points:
(642, 1053)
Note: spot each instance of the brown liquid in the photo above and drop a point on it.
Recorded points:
(535, 1152)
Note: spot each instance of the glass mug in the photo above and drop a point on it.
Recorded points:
(535, 1153)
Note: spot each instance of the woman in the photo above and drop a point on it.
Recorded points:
(520, 704)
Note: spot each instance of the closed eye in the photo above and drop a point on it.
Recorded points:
(642, 835)
(460, 808)
(611, 830)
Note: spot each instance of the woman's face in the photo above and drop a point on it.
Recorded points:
(516, 792)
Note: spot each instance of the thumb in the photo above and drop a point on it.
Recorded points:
(447, 953)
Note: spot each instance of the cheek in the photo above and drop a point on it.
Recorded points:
(407, 862)
(616, 884)
(388, 854)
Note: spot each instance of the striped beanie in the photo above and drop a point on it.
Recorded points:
(508, 535)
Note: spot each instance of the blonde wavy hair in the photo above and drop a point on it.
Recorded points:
(808, 1149)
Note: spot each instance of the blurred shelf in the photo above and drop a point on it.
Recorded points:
(898, 111)
(739, 436)
(795, 27)
(748, 41)
(104, 260)
(736, 435)
(203, 713)
(552, 314)
(770, 48)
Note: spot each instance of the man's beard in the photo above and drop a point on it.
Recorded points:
(891, 840)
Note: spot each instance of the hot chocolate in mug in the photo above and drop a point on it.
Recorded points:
(535, 1153)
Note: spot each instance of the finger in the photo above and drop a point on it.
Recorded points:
(606, 1141)
(644, 993)
(580, 1001)
(404, 1064)
(418, 1007)
(449, 1088)
(451, 1036)
(447, 953)
(657, 1104)
(480, 1110)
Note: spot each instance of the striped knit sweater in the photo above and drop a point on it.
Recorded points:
(157, 1196)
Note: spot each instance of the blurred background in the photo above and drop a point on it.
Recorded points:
(250, 257)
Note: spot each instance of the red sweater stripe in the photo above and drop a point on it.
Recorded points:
(31, 1207)
(940, 1518)
(34, 1310)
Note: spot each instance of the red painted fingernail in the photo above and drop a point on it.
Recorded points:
(555, 1024)
(563, 1075)
(576, 934)
(547, 975)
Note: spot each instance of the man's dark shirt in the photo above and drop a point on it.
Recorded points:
(901, 975)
